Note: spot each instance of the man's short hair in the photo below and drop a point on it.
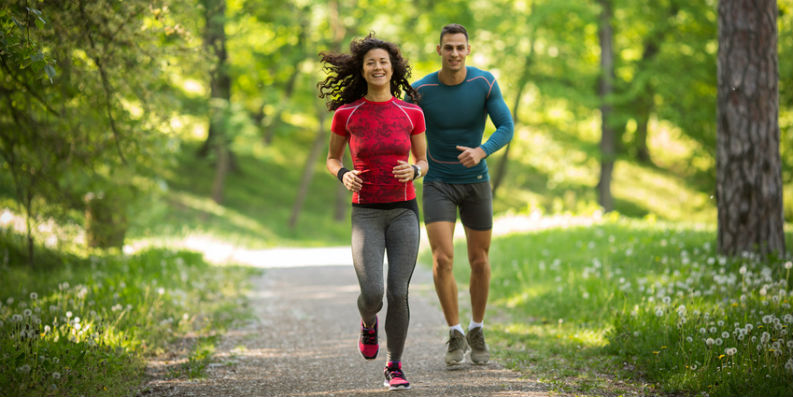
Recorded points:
(453, 28)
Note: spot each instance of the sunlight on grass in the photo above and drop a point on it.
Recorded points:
(85, 325)
(661, 194)
(627, 297)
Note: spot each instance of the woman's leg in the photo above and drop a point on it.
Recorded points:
(368, 246)
(402, 245)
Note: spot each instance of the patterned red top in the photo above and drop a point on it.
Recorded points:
(379, 135)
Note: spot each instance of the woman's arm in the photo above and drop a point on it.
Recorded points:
(334, 163)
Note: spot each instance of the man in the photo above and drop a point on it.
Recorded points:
(456, 101)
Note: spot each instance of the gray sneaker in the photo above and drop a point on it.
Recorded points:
(457, 348)
(479, 352)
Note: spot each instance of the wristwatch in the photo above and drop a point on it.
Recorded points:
(416, 171)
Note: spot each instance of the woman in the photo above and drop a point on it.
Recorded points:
(381, 131)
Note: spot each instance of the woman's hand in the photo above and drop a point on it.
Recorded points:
(352, 181)
(404, 172)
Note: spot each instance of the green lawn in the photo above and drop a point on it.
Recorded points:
(648, 304)
(85, 325)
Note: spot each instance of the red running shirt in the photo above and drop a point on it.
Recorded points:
(379, 135)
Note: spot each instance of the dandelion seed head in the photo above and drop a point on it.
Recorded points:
(34, 296)
(56, 375)
(719, 341)
(765, 337)
(725, 334)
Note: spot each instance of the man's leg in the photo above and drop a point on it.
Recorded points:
(440, 235)
(478, 242)
(476, 212)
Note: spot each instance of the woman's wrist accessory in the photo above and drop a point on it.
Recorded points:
(340, 174)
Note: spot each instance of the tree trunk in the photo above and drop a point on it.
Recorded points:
(220, 82)
(646, 101)
(220, 95)
(501, 170)
(607, 140)
(221, 170)
(642, 151)
(748, 164)
(105, 220)
(308, 168)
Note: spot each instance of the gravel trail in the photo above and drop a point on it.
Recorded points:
(303, 341)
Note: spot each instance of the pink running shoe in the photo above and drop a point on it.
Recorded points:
(394, 377)
(367, 343)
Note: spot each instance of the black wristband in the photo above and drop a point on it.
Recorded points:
(416, 171)
(340, 174)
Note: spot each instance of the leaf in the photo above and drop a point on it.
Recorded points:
(50, 71)
(34, 11)
(37, 56)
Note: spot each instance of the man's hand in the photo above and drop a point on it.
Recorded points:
(470, 156)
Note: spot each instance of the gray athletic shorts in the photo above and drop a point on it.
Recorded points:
(475, 200)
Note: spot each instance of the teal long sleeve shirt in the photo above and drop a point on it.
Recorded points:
(456, 115)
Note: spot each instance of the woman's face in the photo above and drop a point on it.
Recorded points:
(377, 67)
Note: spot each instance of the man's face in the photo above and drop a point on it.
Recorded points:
(453, 50)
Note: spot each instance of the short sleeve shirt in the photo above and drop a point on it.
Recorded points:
(379, 135)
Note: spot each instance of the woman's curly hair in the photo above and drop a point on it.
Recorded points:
(345, 82)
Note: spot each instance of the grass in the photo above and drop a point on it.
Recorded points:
(622, 305)
(85, 325)
(257, 202)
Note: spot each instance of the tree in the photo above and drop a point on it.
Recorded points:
(749, 176)
(605, 89)
(76, 79)
(220, 94)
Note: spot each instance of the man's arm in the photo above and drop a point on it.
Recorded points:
(501, 118)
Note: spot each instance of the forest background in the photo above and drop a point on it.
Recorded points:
(135, 123)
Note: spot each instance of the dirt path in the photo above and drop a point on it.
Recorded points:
(303, 342)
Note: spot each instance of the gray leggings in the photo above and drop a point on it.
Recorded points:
(395, 231)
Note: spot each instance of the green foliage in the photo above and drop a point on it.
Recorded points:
(641, 299)
(92, 126)
(84, 325)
